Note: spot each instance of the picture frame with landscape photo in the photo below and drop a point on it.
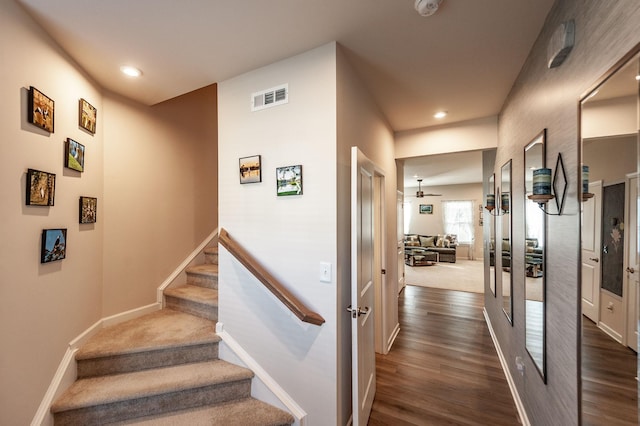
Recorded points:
(87, 116)
(251, 169)
(41, 109)
(54, 245)
(289, 180)
(74, 155)
(426, 208)
(88, 209)
(41, 188)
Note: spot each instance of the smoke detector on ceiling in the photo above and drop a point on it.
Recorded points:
(427, 7)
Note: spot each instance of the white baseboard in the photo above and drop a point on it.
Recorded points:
(166, 283)
(286, 401)
(611, 332)
(505, 368)
(393, 336)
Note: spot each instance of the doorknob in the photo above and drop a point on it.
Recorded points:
(594, 259)
(355, 313)
(630, 270)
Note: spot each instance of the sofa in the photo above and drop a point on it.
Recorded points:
(443, 245)
(533, 257)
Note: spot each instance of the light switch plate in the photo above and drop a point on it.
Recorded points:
(325, 272)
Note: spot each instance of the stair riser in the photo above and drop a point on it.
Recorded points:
(211, 258)
(146, 360)
(191, 307)
(154, 405)
(207, 281)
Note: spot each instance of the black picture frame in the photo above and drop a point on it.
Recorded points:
(87, 116)
(88, 210)
(54, 245)
(426, 208)
(41, 188)
(41, 109)
(74, 155)
(289, 180)
(250, 169)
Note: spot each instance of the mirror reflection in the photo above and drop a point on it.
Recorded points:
(506, 256)
(492, 239)
(609, 130)
(534, 261)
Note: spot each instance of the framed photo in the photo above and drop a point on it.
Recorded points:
(54, 245)
(88, 114)
(88, 209)
(41, 109)
(426, 208)
(289, 180)
(41, 188)
(74, 158)
(250, 169)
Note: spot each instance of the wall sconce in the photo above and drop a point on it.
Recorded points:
(491, 205)
(585, 184)
(504, 202)
(544, 190)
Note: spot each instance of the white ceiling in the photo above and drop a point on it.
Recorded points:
(443, 169)
(464, 59)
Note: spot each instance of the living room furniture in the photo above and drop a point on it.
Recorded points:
(443, 245)
(420, 257)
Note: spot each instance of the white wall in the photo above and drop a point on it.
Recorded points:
(362, 124)
(432, 224)
(43, 305)
(463, 136)
(290, 236)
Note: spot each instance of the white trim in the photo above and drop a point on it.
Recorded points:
(183, 266)
(298, 413)
(393, 336)
(505, 368)
(611, 332)
(66, 373)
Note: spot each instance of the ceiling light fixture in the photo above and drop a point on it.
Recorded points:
(638, 77)
(427, 7)
(130, 71)
(440, 114)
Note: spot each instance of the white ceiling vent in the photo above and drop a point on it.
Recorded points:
(270, 97)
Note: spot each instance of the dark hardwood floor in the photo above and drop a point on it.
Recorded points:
(609, 387)
(443, 368)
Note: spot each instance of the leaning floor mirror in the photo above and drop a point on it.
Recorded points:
(534, 256)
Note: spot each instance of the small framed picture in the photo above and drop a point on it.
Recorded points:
(54, 245)
(88, 209)
(41, 110)
(250, 169)
(41, 188)
(289, 180)
(88, 114)
(426, 208)
(74, 158)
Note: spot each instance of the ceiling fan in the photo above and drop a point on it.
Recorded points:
(421, 194)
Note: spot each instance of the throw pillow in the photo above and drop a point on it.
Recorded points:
(440, 242)
(505, 245)
(427, 241)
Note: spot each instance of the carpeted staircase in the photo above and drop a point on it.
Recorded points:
(163, 368)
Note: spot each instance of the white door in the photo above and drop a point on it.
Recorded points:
(632, 273)
(400, 238)
(362, 287)
(591, 246)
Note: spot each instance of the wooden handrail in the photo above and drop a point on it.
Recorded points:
(298, 308)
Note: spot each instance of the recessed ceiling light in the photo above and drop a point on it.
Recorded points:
(638, 77)
(130, 71)
(440, 114)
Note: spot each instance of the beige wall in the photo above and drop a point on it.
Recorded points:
(548, 98)
(44, 306)
(469, 135)
(432, 224)
(610, 159)
(153, 170)
(160, 191)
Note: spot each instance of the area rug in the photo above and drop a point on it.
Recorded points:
(464, 275)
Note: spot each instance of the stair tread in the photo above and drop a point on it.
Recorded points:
(194, 293)
(165, 328)
(211, 250)
(121, 387)
(245, 412)
(208, 269)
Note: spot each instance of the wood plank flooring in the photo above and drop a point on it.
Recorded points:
(443, 368)
(609, 387)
